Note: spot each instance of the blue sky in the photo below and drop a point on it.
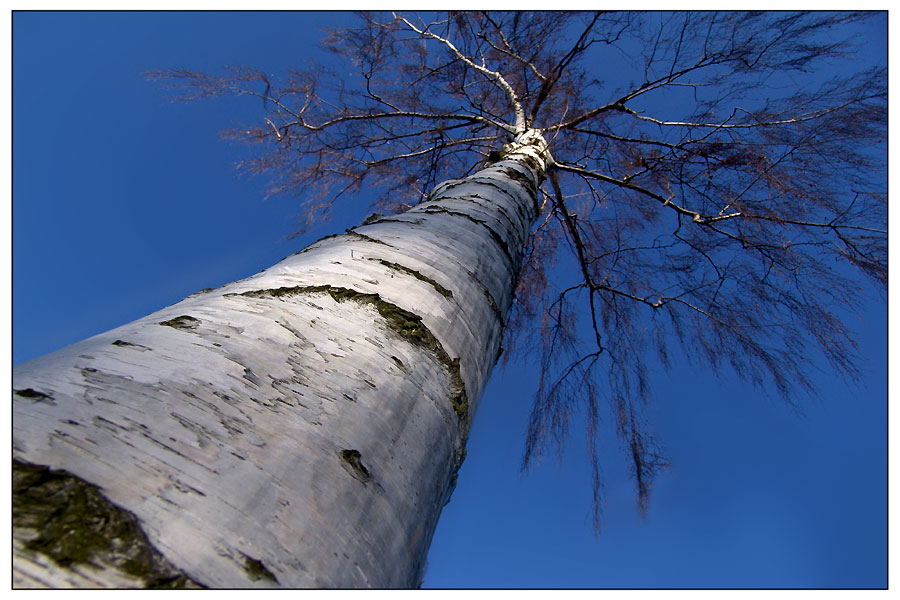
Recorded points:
(124, 202)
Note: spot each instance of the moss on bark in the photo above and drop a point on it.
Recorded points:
(404, 323)
(183, 322)
(59, 515)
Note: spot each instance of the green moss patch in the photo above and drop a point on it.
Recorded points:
(183, 322)
(372, 218)
(68, 519)
(458, 391)
(256, 570)
(366, 238)
(201, 292)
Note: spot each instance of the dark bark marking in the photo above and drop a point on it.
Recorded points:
(69, 520)
(249, 375)
(35, 395)
(397, 219)
(494, 156)
(492, 303)
(185, 488)
(398, 267)
(482, 180)
(112, 426)
(519, 176)
(443, 187)
(353, 464)
(256, 570)
(366, 238)
(124, 344)
(531, 162)
(201, 292)
(183, 322)
(494, 235)
(526, 182)
(321, 239)
(494, 208)
(406, 324)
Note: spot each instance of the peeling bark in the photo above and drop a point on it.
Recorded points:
(302, 427)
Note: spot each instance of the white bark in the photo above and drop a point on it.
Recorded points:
(300, 427)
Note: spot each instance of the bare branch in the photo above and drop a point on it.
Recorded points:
(494, 76)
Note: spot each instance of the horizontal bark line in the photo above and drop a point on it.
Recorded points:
(403, 322)
(501, 243)
(423, 210)
(412, 272)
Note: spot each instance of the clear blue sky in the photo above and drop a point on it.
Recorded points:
(124, 202)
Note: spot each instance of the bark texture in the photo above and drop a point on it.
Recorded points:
(302, 427)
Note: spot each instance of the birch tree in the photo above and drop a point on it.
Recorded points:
(303, 427)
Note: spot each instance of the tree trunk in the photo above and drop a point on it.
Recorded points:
(302, 427)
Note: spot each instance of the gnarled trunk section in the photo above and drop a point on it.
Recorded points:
(302, 427)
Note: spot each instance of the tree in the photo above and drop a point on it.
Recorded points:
(710, 165)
